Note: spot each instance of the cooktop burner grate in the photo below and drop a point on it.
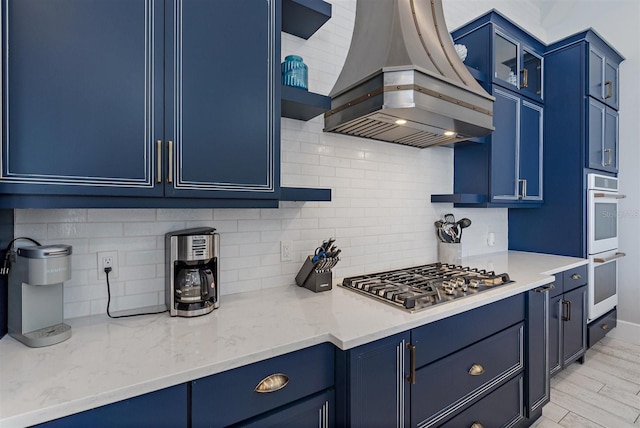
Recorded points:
(420, 287)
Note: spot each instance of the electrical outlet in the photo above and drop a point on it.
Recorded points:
(285, 251)
(107, 259)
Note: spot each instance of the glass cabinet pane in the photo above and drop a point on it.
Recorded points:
(505, 60)
(531, 78)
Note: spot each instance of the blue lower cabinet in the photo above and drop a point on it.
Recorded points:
(452, 383)
(487, 365)
(568, 319)
(165, 408)
(246, 392)
(372, 386)
(537, 385)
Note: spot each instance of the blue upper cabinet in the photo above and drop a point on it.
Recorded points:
(603, 74)
(505, 169)
(83, 96)
(516, 149)
(220, 115)
(593, 64)
(149, 98)
(500, 49)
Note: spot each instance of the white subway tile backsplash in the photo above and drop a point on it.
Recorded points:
(51, 216)
(112, 215)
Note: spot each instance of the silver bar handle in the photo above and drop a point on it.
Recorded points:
(170, 176)
(522, 184)
(159, 159)
(609, 85)
(608, 259)
(609, 161)
(609, 195)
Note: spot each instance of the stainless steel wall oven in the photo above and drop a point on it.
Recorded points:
(602, 243)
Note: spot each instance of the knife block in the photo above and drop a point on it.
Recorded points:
(450, 253)
(312, 279)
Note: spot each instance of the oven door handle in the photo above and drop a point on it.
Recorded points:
(608, 259)
(609, 195)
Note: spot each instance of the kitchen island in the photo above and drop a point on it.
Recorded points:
(106, 361)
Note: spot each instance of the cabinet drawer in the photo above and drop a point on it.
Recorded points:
(501, 408)
(230, 397)
(574, 278)
(456, 332)
(314, 412)
(600, 327)
(497, 358)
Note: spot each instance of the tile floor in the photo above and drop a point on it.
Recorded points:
(602, 392)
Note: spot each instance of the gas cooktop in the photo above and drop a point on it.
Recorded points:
(417, 288)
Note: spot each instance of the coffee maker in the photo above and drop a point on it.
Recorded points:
(36, 294)
(192, 271)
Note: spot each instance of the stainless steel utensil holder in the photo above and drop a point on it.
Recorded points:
(312, 278)
(450, 253)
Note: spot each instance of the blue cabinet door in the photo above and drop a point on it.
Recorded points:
(602, 137)
(222, 117)
(555, 334)
(516, 150)
(603, 76)
(376, 382)
(82, 102)
(164, 408)
(537, 385)
(530, 152)
(574, 326)
(504, 147)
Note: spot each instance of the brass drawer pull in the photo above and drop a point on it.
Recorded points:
(476, 370)
(272, 383)
(576, 276)
(605, 326)
(545, 288)
(477, 425)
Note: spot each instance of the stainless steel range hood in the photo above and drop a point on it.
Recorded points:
(403, 81)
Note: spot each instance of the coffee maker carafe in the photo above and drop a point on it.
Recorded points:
(192, 271)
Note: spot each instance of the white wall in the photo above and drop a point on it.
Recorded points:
(380, 212)
(618, 21)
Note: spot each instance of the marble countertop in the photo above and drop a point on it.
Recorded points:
(108, 360)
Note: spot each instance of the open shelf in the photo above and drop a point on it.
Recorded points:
(299, 104)
(304, 194)
(460, 198)
(302, 18)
